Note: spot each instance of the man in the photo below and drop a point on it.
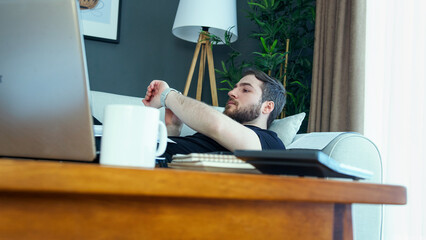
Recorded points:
(253, 104)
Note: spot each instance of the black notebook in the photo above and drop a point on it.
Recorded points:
(300, 163)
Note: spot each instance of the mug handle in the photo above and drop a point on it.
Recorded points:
(163, 139)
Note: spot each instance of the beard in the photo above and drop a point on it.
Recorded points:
(245, 114)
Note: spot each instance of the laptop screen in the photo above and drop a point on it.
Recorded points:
(44, 100)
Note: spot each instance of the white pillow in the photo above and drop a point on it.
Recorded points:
(287, 127)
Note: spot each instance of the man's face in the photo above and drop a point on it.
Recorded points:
(244, 104)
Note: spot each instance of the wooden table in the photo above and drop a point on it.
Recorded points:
(56, 200)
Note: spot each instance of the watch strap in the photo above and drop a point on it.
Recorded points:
(164, 95)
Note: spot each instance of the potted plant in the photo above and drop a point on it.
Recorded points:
(285, 31)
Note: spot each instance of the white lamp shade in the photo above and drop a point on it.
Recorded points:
(218, 15)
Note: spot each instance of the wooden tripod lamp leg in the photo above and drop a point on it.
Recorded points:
(201, 72)
(211, 74)
(192, 68)
(206, 52)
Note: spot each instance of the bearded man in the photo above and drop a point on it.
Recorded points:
(253, 104)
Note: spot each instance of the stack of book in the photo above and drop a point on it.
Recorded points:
(211, 162)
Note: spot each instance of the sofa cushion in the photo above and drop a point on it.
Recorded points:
(287, 127)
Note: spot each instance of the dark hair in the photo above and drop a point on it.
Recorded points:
(272, 90)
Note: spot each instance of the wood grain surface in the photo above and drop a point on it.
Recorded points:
(58, 200)
(65, 177)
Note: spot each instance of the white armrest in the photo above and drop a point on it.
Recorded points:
(346, 147)
(356, 150)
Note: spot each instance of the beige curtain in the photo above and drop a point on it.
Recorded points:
(337, 97)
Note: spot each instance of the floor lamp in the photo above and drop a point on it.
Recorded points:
(194, 20)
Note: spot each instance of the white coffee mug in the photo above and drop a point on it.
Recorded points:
(130, 134)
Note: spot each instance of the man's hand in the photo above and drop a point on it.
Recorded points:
(153, 93)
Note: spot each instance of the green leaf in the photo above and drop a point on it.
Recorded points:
(260, 23)
(273, 45)
(264, 44)
(256, 4)
(224, 66)
(266, 3)
(298, 83)
(291, 95)
(219, 72)
(227, 81)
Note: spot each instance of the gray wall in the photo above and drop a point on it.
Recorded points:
(148, 50)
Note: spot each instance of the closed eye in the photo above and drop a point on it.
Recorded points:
(244, 87)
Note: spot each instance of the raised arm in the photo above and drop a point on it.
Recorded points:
(203, 118)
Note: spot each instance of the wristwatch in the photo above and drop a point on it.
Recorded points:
(164, 95)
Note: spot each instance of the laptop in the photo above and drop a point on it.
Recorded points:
(44, 89)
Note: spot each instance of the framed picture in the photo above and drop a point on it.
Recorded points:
(101, 19)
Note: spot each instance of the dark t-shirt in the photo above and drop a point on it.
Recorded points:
(200, 143)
